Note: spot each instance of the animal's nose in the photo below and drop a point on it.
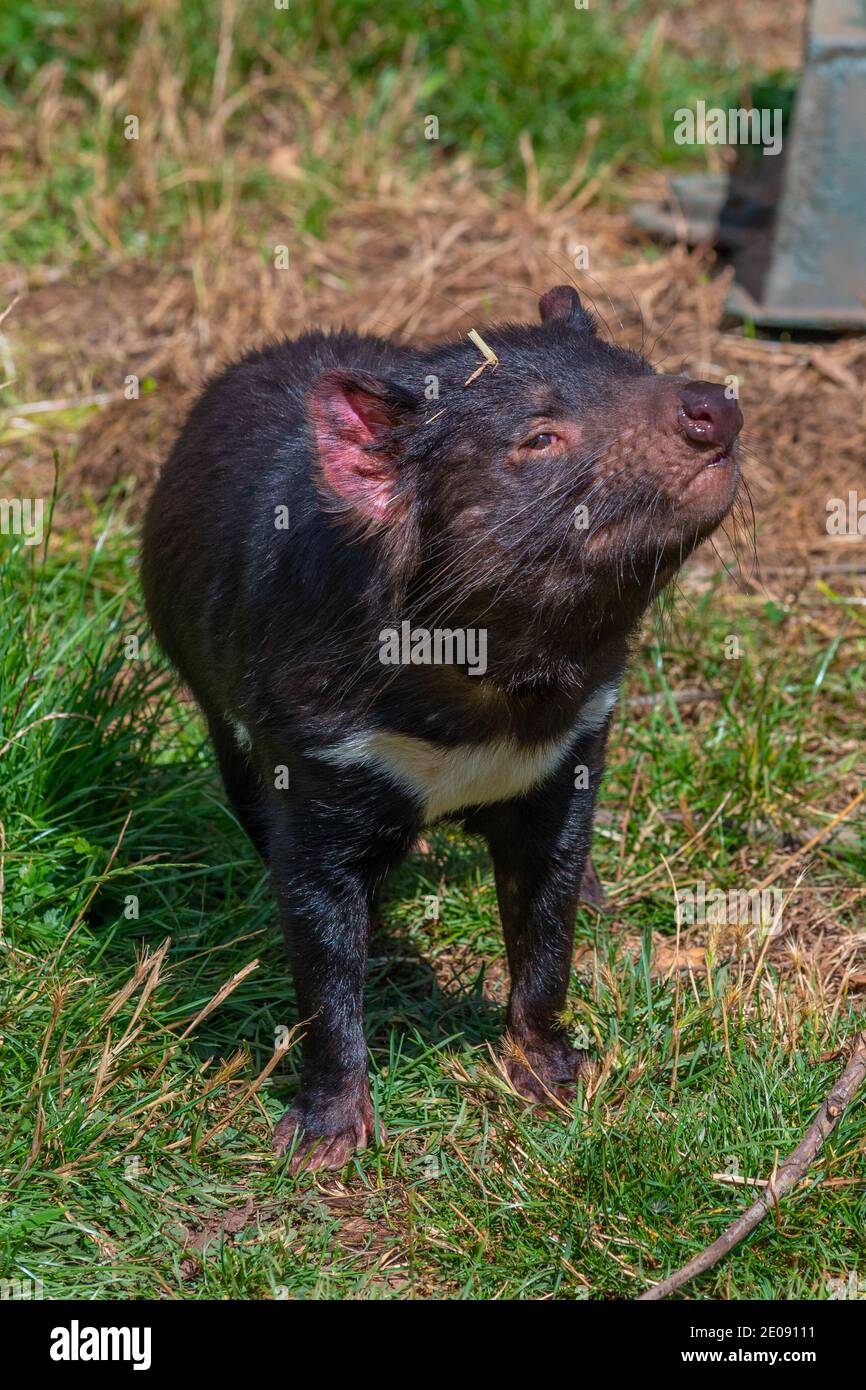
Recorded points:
(707, 416)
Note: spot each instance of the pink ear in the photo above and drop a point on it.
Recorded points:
(352, 413)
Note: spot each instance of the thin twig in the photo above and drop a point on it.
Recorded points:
(490, 358)
(737, 1181)
(680, 697)
(46, 407)
(9, 307)
(785, 1176)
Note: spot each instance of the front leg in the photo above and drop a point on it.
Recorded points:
(326, 876)
(540, 845)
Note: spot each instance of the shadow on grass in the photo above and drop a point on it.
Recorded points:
(197, 879)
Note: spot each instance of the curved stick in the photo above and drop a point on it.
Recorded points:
(785, 1177)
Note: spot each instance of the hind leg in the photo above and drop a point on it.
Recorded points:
(242, 783)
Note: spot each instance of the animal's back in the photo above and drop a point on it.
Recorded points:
(244, 455)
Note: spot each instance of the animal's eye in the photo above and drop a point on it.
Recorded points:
(541, 441)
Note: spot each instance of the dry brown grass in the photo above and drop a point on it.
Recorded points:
(448, 252)
(423, 261)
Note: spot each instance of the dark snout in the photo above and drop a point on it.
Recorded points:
(706, 415)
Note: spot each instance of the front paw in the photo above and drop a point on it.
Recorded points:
(325, 1134)
(546, 1072)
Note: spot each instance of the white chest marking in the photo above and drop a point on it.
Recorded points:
(465, 774)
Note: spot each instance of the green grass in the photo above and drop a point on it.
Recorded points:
(110, 1148)
(129, 900)
(601, 83)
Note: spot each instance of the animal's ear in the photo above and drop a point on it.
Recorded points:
(353, 416)
(562, 302)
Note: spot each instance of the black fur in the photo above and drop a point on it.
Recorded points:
(279, 629)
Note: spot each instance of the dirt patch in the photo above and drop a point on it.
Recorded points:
(211, 1229)
(441, 257)
(371, 1226)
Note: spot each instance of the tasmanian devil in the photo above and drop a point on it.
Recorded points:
(403, 588)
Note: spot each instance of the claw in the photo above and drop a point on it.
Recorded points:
(321, 1145)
